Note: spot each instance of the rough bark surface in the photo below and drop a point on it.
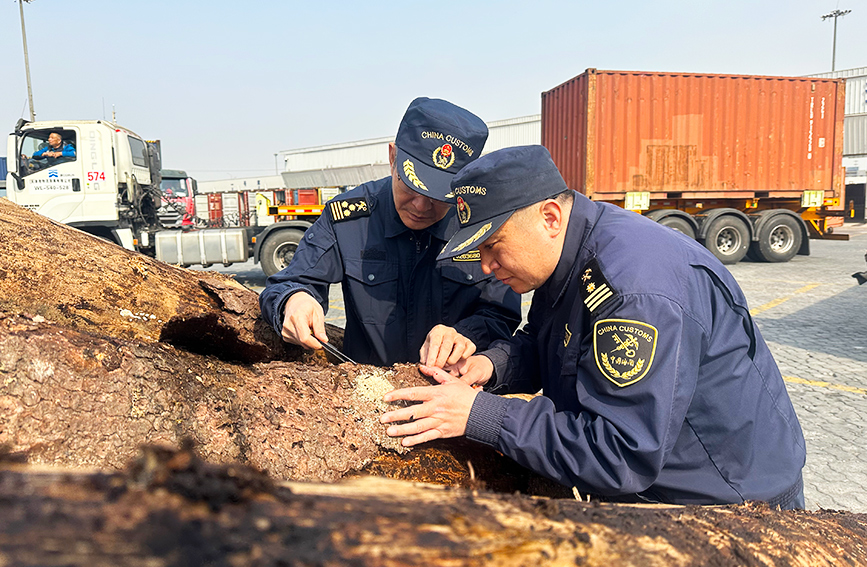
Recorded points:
(81, 281)
(102, 350)
(72, 398)
(169, 508)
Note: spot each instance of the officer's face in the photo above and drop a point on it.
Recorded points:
(416, 211)
(523, 252)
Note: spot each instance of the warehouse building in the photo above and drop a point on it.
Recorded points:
(353, 163)
(854, 139)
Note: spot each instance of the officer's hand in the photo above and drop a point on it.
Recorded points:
(303, 319)
(443, 412)
(444, 346)
(475, 371)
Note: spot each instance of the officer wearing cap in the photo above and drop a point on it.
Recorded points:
(381, 240)
(657, 385)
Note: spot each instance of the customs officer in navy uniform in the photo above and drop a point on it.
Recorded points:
(381, 240)
(656, 383)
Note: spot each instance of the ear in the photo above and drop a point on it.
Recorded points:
(392, 154)
(554, 217)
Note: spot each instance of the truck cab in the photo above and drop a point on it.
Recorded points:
(98, 179)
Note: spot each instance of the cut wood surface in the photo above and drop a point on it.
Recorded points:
(169, 508)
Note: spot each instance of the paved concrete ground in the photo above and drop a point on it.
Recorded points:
(813, 315)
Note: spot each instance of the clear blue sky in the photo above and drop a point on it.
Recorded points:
(225, 85)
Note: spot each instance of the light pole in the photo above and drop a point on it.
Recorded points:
(276, 168)
(835, 14)
(26, 59)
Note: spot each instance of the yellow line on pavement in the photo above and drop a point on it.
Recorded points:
(774, 303)
(821, 384)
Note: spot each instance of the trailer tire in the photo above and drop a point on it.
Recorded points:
(279, 249)
(779, 239)
(728, 238)
(679, 224)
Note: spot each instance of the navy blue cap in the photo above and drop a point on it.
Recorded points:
(435, 140)
(496, 185)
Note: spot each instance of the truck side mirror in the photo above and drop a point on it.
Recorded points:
(18, 180)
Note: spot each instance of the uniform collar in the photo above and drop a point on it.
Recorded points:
(441, 229)
(573, 255)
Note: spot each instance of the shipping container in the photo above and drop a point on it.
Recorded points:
(688, 149)
(856, 88)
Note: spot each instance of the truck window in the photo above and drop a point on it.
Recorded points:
(46, 148)
(139, 152)
(178, 187)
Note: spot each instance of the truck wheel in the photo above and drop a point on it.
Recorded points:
(278, 250)
(678, 224)
(779, 239)
(728, 239)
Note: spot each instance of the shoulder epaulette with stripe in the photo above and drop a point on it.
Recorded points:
(595, 289)
(348, 209)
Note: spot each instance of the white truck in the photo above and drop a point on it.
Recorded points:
(108, 184)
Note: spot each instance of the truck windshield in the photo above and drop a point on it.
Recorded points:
(174, 187)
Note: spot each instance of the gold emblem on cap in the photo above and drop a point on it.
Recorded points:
(409, 171)
(463, 211)
(479, 233)
(443, 156)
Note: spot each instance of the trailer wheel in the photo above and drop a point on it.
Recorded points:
(728, 239)
(279, 249)
(680, 225)
(779, 239)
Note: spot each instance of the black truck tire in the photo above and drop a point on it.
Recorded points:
(728, 238)
(279, 249)
(779, 239)
(679, 224)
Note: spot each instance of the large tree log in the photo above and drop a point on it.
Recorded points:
(172, 509)
(79, 280)
(102, 350)
(73, 398)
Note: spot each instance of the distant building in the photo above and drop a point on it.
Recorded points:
(854, 139)
(349, 164)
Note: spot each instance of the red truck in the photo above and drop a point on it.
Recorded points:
(744, 164)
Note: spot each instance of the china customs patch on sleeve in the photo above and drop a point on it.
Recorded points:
(623, 349)
(348, 209)
(595, 289)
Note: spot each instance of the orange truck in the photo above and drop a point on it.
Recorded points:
(743, 164)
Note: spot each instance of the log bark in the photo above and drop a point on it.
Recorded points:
(102, 350)
(169, 508)
(81, 281)
(72, 398)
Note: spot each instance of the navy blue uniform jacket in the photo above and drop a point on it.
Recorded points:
(657, 383)
(394, 291)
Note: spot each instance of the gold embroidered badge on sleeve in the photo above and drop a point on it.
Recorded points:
(345, 210)
(624, 349)
(597, 296)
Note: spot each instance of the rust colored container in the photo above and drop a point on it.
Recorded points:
(215, 207)
(695, 136)
(306, 197)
